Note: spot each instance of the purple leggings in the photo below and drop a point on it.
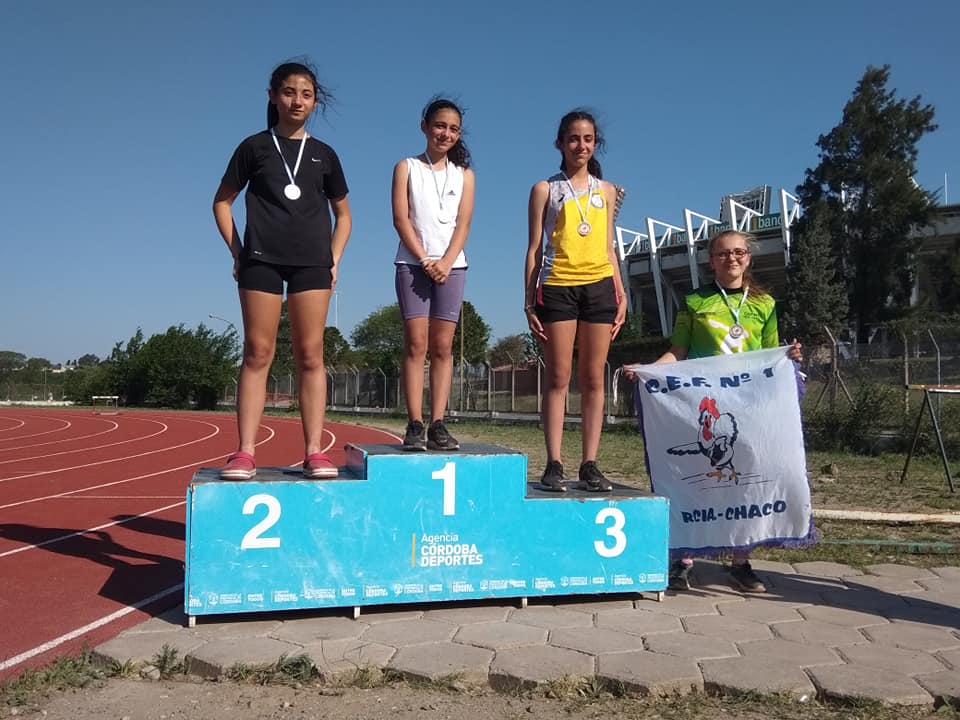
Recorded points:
(419, 296)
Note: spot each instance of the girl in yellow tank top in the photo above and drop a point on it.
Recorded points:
(574, 292)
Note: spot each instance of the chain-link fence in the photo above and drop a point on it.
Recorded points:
(50, 391)
(837, 374)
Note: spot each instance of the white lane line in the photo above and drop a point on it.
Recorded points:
(64, 440)
(12, 427)
(197, 463)
(118, 459)
(127, 497)
(45, 432)
(163, 428)
(73, 634)
(60, 538)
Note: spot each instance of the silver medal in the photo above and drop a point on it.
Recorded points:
(443, 217)
(736, 331)
(584, 228)
(291, 191)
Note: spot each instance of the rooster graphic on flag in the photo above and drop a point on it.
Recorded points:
(716, 437)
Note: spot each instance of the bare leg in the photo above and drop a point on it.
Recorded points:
(441, 365)
(414, 354)
(261, 318)
(594, 342)
(308, 318)
(558, 361)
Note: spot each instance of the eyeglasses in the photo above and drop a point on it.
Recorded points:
(738, 253)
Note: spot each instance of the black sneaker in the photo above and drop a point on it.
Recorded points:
(553, 478)
(439, 439)
(414, 438)
(679, 577)
(592, 479)
(744, 578)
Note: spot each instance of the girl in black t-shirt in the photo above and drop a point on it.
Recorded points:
(293, 181)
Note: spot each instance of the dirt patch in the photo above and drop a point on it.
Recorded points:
(125, 699)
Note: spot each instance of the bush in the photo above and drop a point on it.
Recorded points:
(871, 424)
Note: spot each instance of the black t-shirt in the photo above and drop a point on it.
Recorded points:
(279, 230)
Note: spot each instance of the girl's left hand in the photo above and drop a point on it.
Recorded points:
(442, 267)
(794, 352)
(619, 320)
(333, 278)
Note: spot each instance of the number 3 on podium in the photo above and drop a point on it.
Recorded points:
(614, 530)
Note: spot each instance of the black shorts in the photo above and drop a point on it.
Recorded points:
(594, 302)
(269, 278)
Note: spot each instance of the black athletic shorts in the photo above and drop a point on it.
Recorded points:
(269, 278)
(594, 302)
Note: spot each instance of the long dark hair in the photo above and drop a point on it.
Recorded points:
(754, 289)
(599, 144)
(458, 154)
(282, 72)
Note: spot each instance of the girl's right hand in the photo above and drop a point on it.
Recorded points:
(433, 272)
(236, 269)
(536, 327)
(628, 373)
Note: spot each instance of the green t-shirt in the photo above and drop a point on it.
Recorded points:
(703, 324)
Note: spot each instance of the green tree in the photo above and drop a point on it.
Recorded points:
(335, 346)
(283, 363)
(865, 178)
(88, 359)
(378, 339)
(128, 378)
(476, 336)
(183, 367)
(816, 297)
(944, 290)
(10, 361)
(81, 384)
(509, 350)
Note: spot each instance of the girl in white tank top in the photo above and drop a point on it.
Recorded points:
(432, 209)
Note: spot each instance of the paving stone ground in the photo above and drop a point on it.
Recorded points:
(891, 634)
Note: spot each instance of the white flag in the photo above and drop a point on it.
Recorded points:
(724, 443)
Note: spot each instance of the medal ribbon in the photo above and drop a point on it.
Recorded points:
(296, 168)
(735, 313)
(590, 188)
(446, 177)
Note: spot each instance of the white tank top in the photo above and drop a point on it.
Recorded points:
(423, 200)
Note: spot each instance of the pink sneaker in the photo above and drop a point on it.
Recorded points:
(318, 466)
(240, 466)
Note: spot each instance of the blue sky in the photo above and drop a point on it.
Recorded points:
(120, 118)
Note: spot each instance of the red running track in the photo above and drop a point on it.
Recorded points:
(92, 516)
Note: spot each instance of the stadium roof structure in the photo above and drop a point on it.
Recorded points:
(664, 262)
(667, 261)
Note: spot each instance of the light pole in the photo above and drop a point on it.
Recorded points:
(336, 309)
(217, 317)
(236, 381)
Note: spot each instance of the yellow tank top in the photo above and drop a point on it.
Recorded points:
(573, 255)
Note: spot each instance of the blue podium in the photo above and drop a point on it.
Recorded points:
(402, 527)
